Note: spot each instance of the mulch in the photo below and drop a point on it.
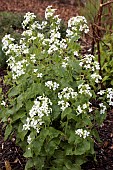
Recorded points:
(11, 156)
(65, 10)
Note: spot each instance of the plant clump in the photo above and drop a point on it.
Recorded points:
(52, 88)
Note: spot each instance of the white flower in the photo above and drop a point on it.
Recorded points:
(79, 110)
(52, 85)
(97, 66)
(35, 70)
(76, 53)
(81, 64)
(29, 139)
(85, 106)
(63, 104)
(27, 125)
(82, 133)
(3, 103)
(66, 58)
(32, 58)
(79, 132)
(96, 76)
(63, 44)
(90, 109)
(103, 108)
(27, 33)
(101, 92)
(84, 89)
(49, 12)
(27, 19)
(69, 33)
(64, 64)
(39, 75)
(85, 134)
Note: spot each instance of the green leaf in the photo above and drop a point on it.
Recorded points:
(82, 148)
(19, 115)
(33, 91)
(38, 143)
(29, 105)
(14, 91)
(29, 164)
(68, 164)
(21, 133)
(66, 112)
(8, 131)
(0, 90)
(72, 137)
(105, 78)
(20, 100)
(53, 133)
(51, 146)
(39, 162)
(56, 112)
(76, 167)
(112, 82)
(28, 153)
(69, 150)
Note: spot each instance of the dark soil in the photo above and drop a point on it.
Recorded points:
(11, 156)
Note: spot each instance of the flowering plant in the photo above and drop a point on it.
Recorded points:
(50, 103)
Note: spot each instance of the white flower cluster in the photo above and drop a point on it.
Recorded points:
(84, 89)
(66, 94)
(65, 62)
(101, 92)
(88, 63)
(27, 33)
(39, 75)
(54, 41)
(6, 40)
(14, 48)
(27, 19)
(52, 85)
(82, 133)
(49, 12)
(82, 109)
(96, 77)
(17, 68)
(76, 24)
(110, 96)
(103, 108)
(39, 26)
(40, 109)
(63, 104)
(32, 58)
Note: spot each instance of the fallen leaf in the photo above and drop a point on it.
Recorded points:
(7, 165)
(105, 144)
(16, 160)
(111, 135)
(111, 147)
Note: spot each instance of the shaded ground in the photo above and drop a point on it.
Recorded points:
(10, 155)
(38, 7)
